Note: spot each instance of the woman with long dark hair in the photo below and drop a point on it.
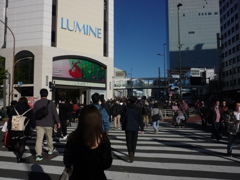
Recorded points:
(19, 137)
(88, 150)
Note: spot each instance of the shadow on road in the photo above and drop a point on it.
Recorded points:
(37, 173)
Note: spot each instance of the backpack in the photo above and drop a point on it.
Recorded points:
(42, 112)
(75, 108)
(145, 110)
(115, 110)
(18, 121)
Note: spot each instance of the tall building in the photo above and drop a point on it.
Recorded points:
(230, 32)
(199, 32)
(66, 42)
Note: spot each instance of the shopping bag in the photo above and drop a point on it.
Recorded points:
(66, 174)
(4, 129)
(7, 139)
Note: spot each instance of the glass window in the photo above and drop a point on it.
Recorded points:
(238, 47)
(237, 26)
(237, 37)
(236, 16)
(238, 58)
(209, 13)
(229, 41)
(233, 50)
(215, 13)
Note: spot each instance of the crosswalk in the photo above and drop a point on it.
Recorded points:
(172, 154)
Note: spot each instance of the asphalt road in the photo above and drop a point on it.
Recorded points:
(171, 154)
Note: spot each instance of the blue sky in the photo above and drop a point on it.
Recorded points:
(139, 35)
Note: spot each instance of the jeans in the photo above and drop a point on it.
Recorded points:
(131, 138)
(40, 133)
(186, 116)
(155, 125)
(231, 140)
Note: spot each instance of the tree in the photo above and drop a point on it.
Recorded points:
(3, 72)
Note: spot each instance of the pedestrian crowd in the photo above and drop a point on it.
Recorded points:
(88, 150)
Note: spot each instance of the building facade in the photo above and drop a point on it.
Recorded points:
(198, 32)
(230, 44)
(67, 43)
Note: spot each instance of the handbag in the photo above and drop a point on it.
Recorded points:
(4, 128)
(7, 139)
(66, 174)
(155, 117)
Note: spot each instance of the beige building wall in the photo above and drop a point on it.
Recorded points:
(85, 13)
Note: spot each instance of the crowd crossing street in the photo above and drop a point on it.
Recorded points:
(172, 154)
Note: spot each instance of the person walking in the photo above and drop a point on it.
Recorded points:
(216, 116)
(63, 117)
(146, 112)
(156, 114)
(88, 149)
(19, 137)
(116, 113)
(45, 125)
(225, 109)
(184, 108)
(203, 112)
(103, 112)
(131, 121)
(233, 122)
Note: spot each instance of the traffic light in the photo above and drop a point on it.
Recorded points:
(51, 86)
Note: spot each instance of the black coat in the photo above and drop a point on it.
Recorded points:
(88, 163)
(213, 115)
(64, 111)
(132, 118)
(21, 108)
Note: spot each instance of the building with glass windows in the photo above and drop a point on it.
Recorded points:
(67, 43)
(199, 29)
(230, 32)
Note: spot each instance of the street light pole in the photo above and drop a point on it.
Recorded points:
(179, 55)
(14, 40)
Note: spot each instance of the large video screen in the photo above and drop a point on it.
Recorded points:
(79, 69)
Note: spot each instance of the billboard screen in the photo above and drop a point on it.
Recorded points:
(79, 69)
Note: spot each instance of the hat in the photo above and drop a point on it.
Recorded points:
(146, 103)
(117, 102)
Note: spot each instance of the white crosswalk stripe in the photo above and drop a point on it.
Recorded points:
(171, 154)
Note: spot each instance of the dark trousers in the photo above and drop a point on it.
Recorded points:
(19, 144)
(204, 122)
(62, 129)
(73, 117)
(231, 139)
(216, 129)
(131, 138)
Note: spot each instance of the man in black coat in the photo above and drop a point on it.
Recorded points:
(131, 121)
(64, 117)
(216, 117)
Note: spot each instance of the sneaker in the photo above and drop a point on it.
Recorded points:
(51, 152)
(65, 137)
(156, 131)
(39, 158)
